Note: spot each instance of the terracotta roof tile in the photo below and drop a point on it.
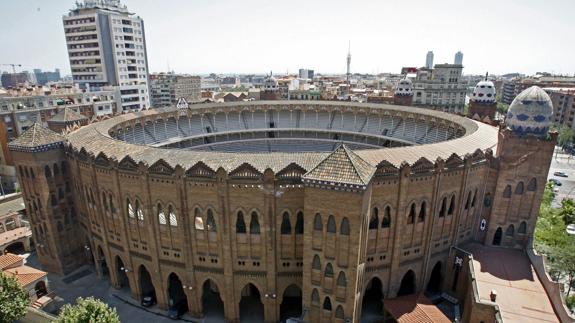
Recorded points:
(25, 275)
(414, 308)
(67, 115)
(9, 260)
(36, 137)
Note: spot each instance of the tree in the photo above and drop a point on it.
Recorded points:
(567, 211)
(565, 136)
(13, 299)
(88, 310)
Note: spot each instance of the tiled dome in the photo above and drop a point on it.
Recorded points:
(530, 112)
(484, 92)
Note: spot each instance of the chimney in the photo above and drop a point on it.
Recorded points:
(493, 295)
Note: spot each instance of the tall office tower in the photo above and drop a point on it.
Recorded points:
(348, 74)
(107, 46)
(458, 58)
(429, 60)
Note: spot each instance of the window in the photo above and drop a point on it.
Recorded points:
(487, 200)
(240, 223)
(474, 198)
(211, 221)
(451, 205)
(507, 191)
(161, 214)
(331, 224)
(532, 185)
(443, 207)
(53, 199)
(468, 202)
(104, 201)
(254, 224)
(316, 263)
(328, 270)
(327, 304)
(139, 211)
(286, 225)
(522, 228)
(56, 170)
(47, 171)
(510, 231)
(198, 221)
(111, 202)
(317, 224)
(421, 216)
(315, 297)
(519, 188)
(341, 281)
(339, 314)
(374, 220)
(386, 222)
(344, 229)
(299, 223)
(411, 216)
(130, 209)
(172, 215)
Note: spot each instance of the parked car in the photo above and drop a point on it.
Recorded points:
(177, 310)
(556, 182)
(149, 300)
(560, 174)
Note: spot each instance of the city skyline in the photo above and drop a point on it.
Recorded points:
(381, 40)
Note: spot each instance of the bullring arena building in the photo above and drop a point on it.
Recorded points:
(323, 211)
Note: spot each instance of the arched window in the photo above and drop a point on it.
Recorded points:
(532, 185)
(344, 228)
(56, 170)
(331, 224)
(374, 219)
(451, 205)
(64, 168)
(104, 201)
(299, 223)
(328, 270)
(327, 304)
(172, 216)
(198, 220)
(421, 216)
(112, 208)
(411, 216)
(32, 173)
(47, 171)
(474, 198)
(53, 200)
(161, 214)
(341, 281)
(510, 230)
(468, 201)
(139, 211)
(254, 224)
(507, 191)
(317, 224)
(519, 188)
(443, 208)
(316, 263)
(522, 228)
(487, 200)
(386, 222)
(315, 297)
(211, 222)
(339, 314)
(240, 223)
(286, 224)
(130, 209)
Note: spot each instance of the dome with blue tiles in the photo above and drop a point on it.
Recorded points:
(530, 113)
(484, 92)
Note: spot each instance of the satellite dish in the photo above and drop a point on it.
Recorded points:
(182, 104)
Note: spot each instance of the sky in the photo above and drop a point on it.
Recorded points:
(259, 36)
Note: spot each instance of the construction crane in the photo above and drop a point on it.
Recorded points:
(13, 66)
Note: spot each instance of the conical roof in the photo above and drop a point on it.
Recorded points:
(342, 166)
(36, 138)
(67, 115)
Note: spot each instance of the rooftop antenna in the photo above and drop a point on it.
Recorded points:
(486, 75)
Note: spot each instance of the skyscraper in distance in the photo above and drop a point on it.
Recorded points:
(107, 46)
(458, 58)
(429, 60)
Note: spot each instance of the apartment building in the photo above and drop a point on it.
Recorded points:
(107, 46)
(563, 100)
(512, 87)
(441, 88)
(167, 88)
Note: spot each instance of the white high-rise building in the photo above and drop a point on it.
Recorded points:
(107, 46)
(458, 58)
(429, 60)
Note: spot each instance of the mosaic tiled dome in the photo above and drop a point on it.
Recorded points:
(484, 92)
(404, 87)
(530, 112)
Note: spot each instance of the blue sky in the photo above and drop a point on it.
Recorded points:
(230, 36)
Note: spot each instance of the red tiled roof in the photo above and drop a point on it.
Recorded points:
(414, 308)
(25, 275)
(9, 260)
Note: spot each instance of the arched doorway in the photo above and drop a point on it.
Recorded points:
(497, 237)
(121, 270)
(291, 303)
(435, 280)
(16, 248)
(212, 304)
(40, 289)
(372, 304)
(148, 292)
(251, 306)
(177, 299)
(102, 261)
(407, 286)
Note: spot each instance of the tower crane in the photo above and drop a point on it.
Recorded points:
(13, 66)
